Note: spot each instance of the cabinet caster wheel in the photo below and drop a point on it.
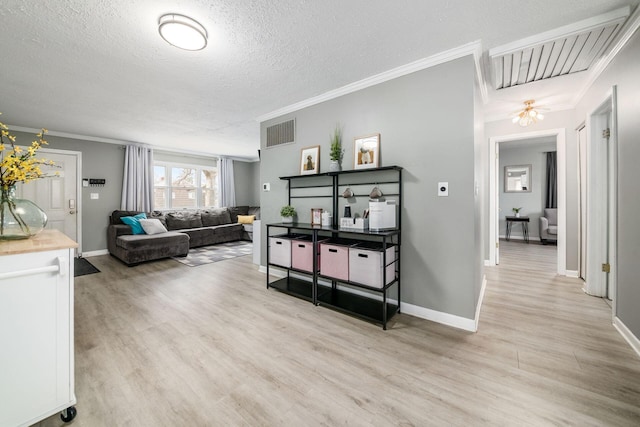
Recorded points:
(69, 414)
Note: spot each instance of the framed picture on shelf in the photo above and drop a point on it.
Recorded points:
(366, 152)
(310, 160)
(316, 216)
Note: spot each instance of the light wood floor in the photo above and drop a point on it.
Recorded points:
(163, 344)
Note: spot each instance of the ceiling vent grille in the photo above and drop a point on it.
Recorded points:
(282, 133)
(567, 50)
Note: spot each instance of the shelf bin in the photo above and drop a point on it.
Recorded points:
(334, 259)
(302, 254)
(280, 250)
(366, 264)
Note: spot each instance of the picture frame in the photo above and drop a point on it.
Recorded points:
(310, 160)
(316, 216)
(366, 151)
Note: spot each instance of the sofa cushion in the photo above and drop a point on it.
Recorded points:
(213, 235)
(254, 210)
(246, 219)
(147, 242)
(134, 222)
(553, 229)
(219, 216)
(116, 215)
(158, 215)
(238, 210)
(552, 215)
(182, 220)
(152, 226)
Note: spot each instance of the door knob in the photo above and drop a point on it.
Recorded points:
(72, 212)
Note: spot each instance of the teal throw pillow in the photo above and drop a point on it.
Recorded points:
(134, 222)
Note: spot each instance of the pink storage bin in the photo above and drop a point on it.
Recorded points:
(334, 259)
(302, 254)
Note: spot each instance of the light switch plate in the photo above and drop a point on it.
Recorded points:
(266, 186)
(95, 196)
(443, 189)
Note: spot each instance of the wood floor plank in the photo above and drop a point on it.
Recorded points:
(163, 344)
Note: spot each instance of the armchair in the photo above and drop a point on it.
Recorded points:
(549, 226)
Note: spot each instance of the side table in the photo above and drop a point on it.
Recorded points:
(524, 220)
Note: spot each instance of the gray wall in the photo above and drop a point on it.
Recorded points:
(247, 182)
(624, 72)
(99, 160)
(532, 203)
(426, 121)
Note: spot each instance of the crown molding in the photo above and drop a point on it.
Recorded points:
(473, 48)
(627, 31)
(124, 143)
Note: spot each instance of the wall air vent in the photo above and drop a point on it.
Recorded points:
(566, 50)
(282, 133)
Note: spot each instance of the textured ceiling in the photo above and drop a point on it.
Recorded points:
(100, 69)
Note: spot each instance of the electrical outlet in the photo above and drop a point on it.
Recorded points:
(443, 189)
(95, 196)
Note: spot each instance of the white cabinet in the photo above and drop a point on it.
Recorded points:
(36, 328)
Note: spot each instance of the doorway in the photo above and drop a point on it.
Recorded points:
(58, 195)
(494, 217)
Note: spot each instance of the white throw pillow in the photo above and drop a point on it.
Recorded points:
(152, 226)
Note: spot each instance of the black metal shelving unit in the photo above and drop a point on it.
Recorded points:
(342, 295)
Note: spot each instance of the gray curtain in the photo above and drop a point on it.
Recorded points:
(137, 184)
(551, 199)
(226, 183)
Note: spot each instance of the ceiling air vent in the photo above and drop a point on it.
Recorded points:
(566, 50)
(282, 133)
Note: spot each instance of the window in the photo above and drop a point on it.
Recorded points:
(184, 186)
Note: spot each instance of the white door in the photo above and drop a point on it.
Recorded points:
(497, 175)
(58, 195)
(582, 168)
(601, 201)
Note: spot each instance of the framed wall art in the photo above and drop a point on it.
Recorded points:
(310, 160)
(366, 152)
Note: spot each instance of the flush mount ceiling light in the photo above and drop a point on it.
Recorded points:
(182, 31)
(529, 115)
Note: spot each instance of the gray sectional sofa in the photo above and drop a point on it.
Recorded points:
(186, 229)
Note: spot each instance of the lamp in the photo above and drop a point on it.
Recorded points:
(182, 32)
(529, 115)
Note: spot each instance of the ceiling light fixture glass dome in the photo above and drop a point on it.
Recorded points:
(182, 32)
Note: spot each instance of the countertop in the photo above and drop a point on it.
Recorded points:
(46, 240)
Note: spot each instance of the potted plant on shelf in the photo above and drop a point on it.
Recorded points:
(516, 211)
(336, 152)
(287, 213)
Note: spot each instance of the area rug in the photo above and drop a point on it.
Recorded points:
(82, 267)
(215, 253)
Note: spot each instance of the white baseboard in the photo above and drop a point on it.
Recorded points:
(439, 317)
(95, 253)
(480, 299)
(633, 341)
(572, 273)
(520, 237)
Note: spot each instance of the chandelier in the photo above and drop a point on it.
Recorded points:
(529, 115)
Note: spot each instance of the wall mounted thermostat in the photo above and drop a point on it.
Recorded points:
(443, 189)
